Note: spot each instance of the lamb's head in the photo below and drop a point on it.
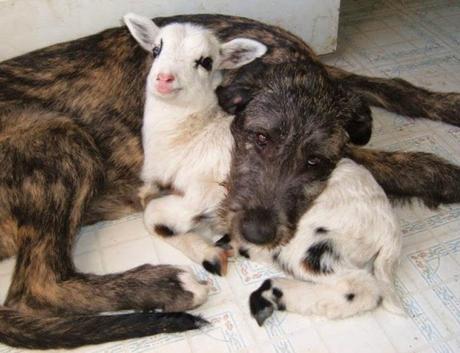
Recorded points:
(188, 58)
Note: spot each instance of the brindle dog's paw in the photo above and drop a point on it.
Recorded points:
(264, 301)
(199, 289)
(216, 260)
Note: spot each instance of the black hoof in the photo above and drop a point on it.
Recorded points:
(244, 252)
(213, 267)
(224, 242)
(261, 308)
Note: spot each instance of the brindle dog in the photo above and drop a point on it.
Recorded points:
(70, 152)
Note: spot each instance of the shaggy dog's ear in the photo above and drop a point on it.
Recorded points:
(357, 118)
(244, 87)
(233, 98)
(359, 127)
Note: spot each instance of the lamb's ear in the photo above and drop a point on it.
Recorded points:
(142, 29)
(239, 52)
(234, 98)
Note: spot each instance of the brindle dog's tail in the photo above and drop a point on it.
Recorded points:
(401, 97)
(41, 332)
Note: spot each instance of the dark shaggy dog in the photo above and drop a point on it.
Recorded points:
(293, 124)
(70, 152)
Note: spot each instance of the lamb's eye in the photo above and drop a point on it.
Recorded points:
(206, 63)
(313, 161)
(157, 50)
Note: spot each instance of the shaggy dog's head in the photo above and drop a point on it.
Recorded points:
(291, 126)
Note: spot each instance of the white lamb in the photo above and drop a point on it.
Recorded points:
(186, 135)
(342, 257)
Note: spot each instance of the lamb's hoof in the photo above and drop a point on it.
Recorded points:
(217, 262)
(244, 252)
(264, 301)
(224, 243)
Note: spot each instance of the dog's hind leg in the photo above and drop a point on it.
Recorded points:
(399, 96)
(50, 172)
(336, 296)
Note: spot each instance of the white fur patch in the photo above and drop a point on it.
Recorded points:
(185, 134)
(190, 283)
(355, 218)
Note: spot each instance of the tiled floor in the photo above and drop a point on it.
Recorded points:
(414, 39)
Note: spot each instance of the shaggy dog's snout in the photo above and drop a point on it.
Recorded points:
(259, 225)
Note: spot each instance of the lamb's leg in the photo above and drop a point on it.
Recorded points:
(180, 225)
(146, 192)
(337, 296)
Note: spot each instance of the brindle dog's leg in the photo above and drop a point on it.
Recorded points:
(405, 175)
(50, 170)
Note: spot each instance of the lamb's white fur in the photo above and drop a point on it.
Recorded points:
(363, 232)
(186, 135)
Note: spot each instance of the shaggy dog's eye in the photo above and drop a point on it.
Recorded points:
(206, 63)
(157, 50)
(313, 161)
(261, 139)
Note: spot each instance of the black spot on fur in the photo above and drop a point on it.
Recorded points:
(313, 259)
(202, 217)
(379, 300)
(350, 296)
(321, 230)
(163, 230)
(277, 293)
(212, 267)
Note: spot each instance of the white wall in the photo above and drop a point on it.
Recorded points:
(26, 25)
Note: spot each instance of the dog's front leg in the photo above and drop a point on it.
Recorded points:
(335, 297)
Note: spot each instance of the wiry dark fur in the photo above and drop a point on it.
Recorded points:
(70, 154)
(306, 119)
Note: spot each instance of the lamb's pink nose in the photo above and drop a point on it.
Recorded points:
(165, 77)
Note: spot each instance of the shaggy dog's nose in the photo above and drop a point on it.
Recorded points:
(259, 225)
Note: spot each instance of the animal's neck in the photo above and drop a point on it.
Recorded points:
(173, 112)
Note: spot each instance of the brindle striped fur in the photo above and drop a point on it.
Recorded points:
(70, 154)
